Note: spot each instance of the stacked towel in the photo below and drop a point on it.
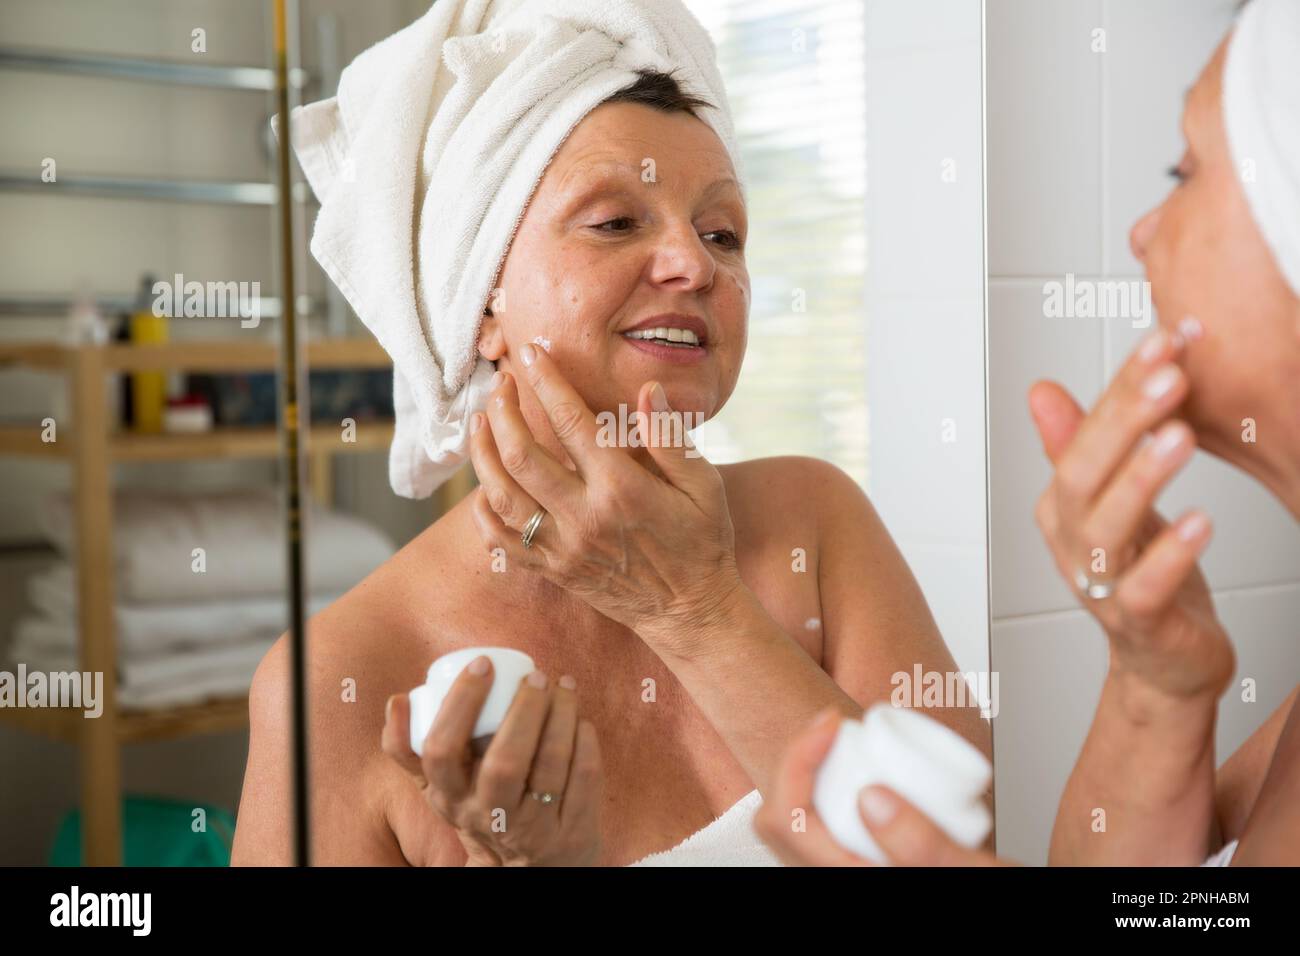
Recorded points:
(166, 676)
(191, 627)
(143, 628)
(155, 537)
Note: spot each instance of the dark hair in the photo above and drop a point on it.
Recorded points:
(661, 91)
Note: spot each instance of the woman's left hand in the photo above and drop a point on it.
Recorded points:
(655, 554)
(906, 835)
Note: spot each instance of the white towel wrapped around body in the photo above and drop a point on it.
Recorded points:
(1261, 114)
(426, 159)
(730, 840)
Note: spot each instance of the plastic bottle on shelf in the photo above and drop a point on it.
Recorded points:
(86, 324)
(148, 389)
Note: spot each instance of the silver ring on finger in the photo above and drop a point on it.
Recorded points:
(530, 529)
(1097, 590)
(542, 796)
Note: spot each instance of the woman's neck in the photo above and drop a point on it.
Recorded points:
(496, 578)
(1275, 464)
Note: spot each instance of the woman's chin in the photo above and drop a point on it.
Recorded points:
(697, 394)
(695, 404)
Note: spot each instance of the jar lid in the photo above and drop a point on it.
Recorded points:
(916, 745)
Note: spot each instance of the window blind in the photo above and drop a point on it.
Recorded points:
(795, 75)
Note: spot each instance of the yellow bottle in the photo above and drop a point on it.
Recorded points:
(148, 389)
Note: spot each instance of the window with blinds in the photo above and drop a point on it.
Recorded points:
(795, 74)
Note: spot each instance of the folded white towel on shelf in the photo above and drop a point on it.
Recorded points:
(241, 534)
(39, 633)
(426, 159)
(146, 628)
(214, 685)
(165, 672)
(730, 840)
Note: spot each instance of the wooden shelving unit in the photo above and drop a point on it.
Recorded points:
(91, 446)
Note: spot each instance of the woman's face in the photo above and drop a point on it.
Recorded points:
(1206, 258)
(638, 216)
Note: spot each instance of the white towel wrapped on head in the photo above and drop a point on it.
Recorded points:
(426, 159)
(1261, 113)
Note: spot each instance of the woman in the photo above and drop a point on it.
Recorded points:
(1222, 254)
(1223, 257)
(679, 722)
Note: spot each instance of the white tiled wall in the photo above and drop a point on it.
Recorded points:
(925, 302)
(1078, 144)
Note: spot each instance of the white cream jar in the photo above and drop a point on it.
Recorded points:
(509, 667)
(933, 768)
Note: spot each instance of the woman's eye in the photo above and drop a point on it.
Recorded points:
(601, 226)
(1181, 170)
(730, 240)
(733, 241)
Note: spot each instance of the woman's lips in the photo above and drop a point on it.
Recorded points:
(676, 354)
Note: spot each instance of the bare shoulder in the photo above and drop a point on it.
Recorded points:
(360, 649)
(796, 473)
(795, 495)
(1240, 779)
(791, 487)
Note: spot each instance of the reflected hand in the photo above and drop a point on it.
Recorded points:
(657, 554)
(1099, 510)
(541, 748)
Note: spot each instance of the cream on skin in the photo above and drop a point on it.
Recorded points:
(737, 671)
(617, 538)
(601, 250)
(1214, 281)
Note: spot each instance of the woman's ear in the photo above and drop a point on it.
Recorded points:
(491, 338)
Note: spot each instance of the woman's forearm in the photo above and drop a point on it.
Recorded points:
(1142, 791)
(754, 683)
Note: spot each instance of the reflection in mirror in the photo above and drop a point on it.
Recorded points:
(695, 391)
(1143, 283)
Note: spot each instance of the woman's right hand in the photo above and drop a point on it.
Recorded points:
(497, 805)
(656, 553)
(906, 835)
(1098, 518)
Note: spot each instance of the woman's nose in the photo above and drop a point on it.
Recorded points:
(1139, 237)
(685, 254)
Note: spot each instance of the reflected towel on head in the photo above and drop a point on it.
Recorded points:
(1261, 113)
(426, 159)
